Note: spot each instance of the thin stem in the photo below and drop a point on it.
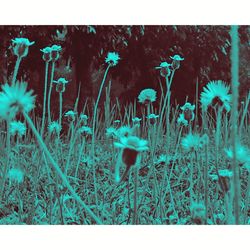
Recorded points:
(60, 108)
(50, 89)
(45, 96)
(58, 169)
(18, 61)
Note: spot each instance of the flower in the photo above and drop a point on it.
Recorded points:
(188, 106)
(164, 69)
(216, 93)
(112, 58)
(124, 131)
(136, 120)
(15, 98)
(17, 127)
(132, 142)
(21, 47)
(55, 49)
(54, 127)
(111, 132)
(71, 115)
(46, 53)
(83, 118)
(188, 113)
(152, 118)
(242, 153)
(85, 130)
(147, 95)
(16, 175)
(60, 84)
(181, 120)
(191, 142)
(176, 61)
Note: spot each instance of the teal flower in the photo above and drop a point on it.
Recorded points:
(54, 127)
(133, 143)
(242, 153)
(147, 96)
(124, 131)
(15, 98)
(84, 118)
(112, 58)
(176, 61)
(21, 46)
(181, 120)
(192, 142)
(55, 49)
(152, 118)
(85, 130)
(111, 132)
(216, 93)
(47, 54)
(60, 84)
(177, 58)
(188, 113)
(136, 120)
(16, 175)
(164, 69)
(17, 128)
(188, 106)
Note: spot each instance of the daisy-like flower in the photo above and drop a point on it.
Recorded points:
(55, 52)
(111, 132)
(21, 46)
(84, 118)
(188, 113)
(15, 98)
(54, 127)
(124, 131)
(147, 96)
(16, 175)
(112, 58)
(46, 54)
(176, 61)
(242, 153)
(85, 130)
(152, 118)
(71, 115)
(60, 84)
(164, 69)
(216, 93)
(17, 128)
(191, 142)
(181, 120)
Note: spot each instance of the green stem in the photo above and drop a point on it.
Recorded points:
(60, 108)
(18, 61)
(50, 90)
(58, 170)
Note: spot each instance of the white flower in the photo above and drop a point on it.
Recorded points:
(124, 131)
(192, 142)
(54, 127)
(188, 106)
(181, 120)
(242, 153)
(147, 95)
(15, 98)
(21, 47)
(17, 127)
(112, 58)
(133, 143)
(216, 92)
(85, 130)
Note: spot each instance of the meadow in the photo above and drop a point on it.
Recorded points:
(174, 164)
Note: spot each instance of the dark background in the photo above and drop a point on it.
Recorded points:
(206, 50)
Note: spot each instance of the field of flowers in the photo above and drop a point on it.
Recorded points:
(180, 164)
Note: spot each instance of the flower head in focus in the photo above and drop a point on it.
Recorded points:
(216, 93)
(21, 46)
(147, 96)
(85, 130)
(60, 84)
(112, 58)
(46, 53)
(71, 115)
(15, 98)
(188, 113)
(192, 142)
(164, 69)
(55, 52)
(176, 61)
(17, 128)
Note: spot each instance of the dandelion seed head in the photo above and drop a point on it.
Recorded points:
(191, 142)
(17, 128)
(147, 96)
(112, 58)
(54, 127)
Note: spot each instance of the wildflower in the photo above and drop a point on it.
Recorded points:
(136, 120)
(147, 96)
(188, 106)
(111, 132)
(55, 49)
(164, 69)
(83, 118)
(71, 115)
(112, 58)
(16, 175)
(17, 128)
(242, 153)
(60, 84)
(198, 212)
(176, 61)
(152, 118)
(21, 47)
(124, 131)
(14, 99)
(131, 146)
(181, 120)
(54, 127)
(216, 93)
(47, 54)
(191, 142)
(85, 130)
